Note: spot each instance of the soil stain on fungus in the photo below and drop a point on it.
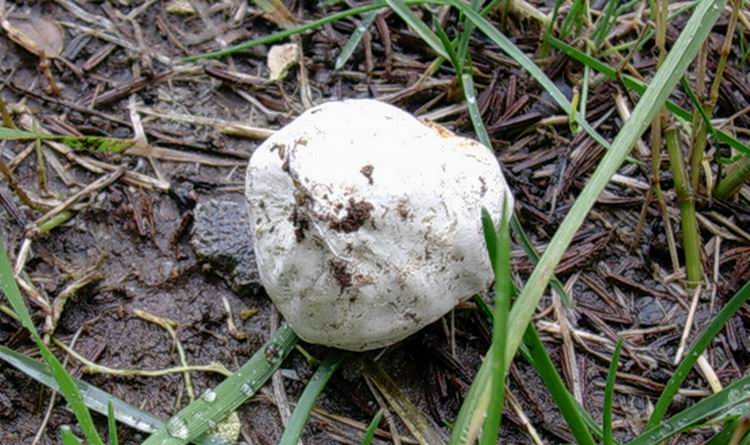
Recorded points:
(439, 129)
(403, 210)
(367, 172)
(340, 271)
(281, 150)
(300, 223)
(357, 212)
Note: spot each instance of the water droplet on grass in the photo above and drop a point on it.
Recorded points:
(177, 428)
(247, 389)
(209, 396)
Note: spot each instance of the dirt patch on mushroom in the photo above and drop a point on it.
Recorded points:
(340, 271)
(357, 213)
(367, 172)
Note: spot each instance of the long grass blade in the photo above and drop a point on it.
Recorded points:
(372, 428)
(196, 418)
(705, 339)
(467, 80)
(609, 392)
(579, 421)
(639, 87)
(684, 50)
(406, 14)
(94, 398)
(503, 295)
(64, 380)
(314, 387)
(111, 425)
(354, 39)
(82, 143)
(68, 438)
(733, 400)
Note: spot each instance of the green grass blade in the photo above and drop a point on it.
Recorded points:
(609, 392)
(278, 36)
(516, 54)
(574, 18)
(372, 428)
(406, 14)
(578, 420)
(111, 425)
(696, 103)
(196, 418)
(94, 398)
(723, 436)
(68, 438)
(82, 143)
(305, 404)
(446, 41)
(471, 414)
(639, 87)
(678, 59)
(503, 295)
(687, 363)
(354, 39)
(63, 379)
(605, 22)
(733, 400)
(467, 80)
(463, 40)
(533, 255)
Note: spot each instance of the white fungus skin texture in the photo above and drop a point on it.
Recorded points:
(367, 222)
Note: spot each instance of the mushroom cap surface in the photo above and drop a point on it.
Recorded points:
(367, 222)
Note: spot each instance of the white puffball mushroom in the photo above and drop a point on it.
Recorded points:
(367, 222)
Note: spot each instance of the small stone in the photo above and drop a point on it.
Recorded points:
(220, 238)
(648, 311)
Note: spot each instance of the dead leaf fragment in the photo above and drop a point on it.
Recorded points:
(39, 36)
(280, 59)
(181, 7)
(275, 11)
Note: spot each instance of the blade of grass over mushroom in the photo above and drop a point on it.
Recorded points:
(196, 418)
(354, 39)
(678, 59)
(691, 357)
(64, 380)
(305, 404)
(420, 426)
(733, 400)
(94, 398)
(609, 393)
(372, 428)
(639, 87)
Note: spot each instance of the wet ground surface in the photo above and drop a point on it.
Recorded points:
(132, 239)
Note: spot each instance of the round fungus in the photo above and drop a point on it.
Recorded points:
(367, 222)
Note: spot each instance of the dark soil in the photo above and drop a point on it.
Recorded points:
(137, 237)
